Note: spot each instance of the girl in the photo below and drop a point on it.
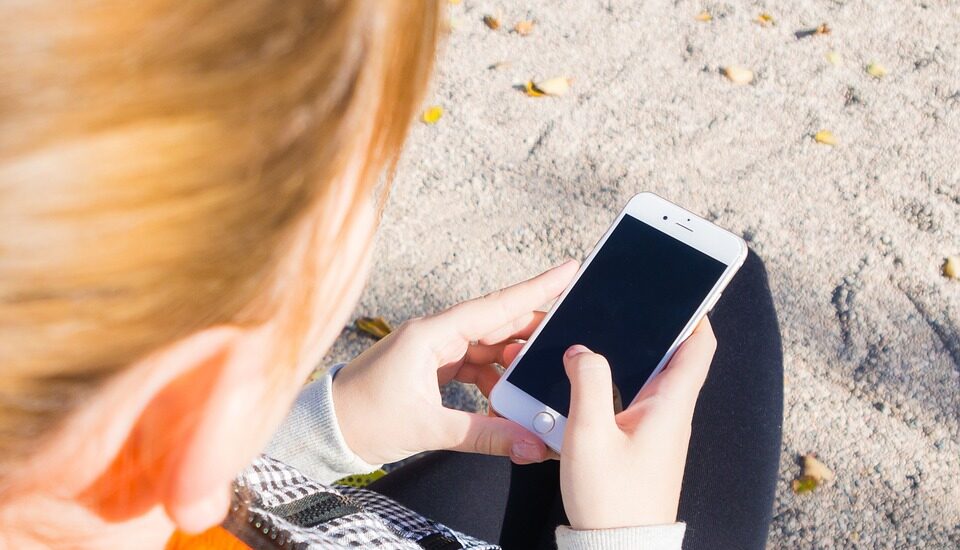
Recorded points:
(187, 197)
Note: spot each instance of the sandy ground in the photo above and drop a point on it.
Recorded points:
(853, 236)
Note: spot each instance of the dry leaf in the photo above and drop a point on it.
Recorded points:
(876, 70)
(432, 114)
(492, 22)
(531, 89)
(766, 20)
(738, 74)
(804, 484)
(826, 137)
(554, 86)
(704, 16)
(812, 467)
(834, 58)
(374, 326)
(822, 28)
(523, 28)
(951, 267)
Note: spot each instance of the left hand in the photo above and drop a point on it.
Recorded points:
(388, 402)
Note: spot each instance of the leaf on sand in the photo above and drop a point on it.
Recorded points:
(552, 87)
(704, 16)
(834, 58)
(876, 70)
(766, 20)
(374, 326)
(432, 114)
(951, 267)
(738, 74)
(812, 467)
(500, 65)
(523, 28)
(491, 22)
(814, 474)
(826, 137)
(820, 29)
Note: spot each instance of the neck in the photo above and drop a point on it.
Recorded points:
(43, 521)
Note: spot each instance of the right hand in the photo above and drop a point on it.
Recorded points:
(626, 469)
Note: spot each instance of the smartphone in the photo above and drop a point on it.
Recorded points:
(639, 294)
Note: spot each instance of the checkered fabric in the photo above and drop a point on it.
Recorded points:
(275, 506)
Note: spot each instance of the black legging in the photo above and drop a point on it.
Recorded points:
(731, 470)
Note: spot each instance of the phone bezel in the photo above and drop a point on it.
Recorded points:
(512, 402)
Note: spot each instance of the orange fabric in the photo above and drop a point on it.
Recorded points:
(216, 538)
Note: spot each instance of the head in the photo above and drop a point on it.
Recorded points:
(188, 192)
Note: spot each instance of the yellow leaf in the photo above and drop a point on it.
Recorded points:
(432, 114)
(876, 70)
(553, 86)
(531, 89)
(374, 326)
(738, 74)
(523, 28)
(825, 137)
(766, 20)
(822, 28)
(812, 467)
(951, 267)
(491, 22)
(804, 484)
(704, 16)
(834, 58)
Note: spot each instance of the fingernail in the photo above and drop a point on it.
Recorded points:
(576, 350)
(527, 451)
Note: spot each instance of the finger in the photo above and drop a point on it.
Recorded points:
(687, 370)
(591, 384)
(475, 318)
(476, 433)
(520, 328)
(484, 377)
(510, 352)
(480, 354)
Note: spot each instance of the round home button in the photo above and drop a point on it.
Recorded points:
(543, 422)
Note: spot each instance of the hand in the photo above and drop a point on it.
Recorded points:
(387, 400)
(625, 470)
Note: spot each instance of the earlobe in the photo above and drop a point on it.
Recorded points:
(163, 459)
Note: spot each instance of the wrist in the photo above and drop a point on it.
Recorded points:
(343, 415)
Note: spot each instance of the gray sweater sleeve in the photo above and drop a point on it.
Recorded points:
(310, 440)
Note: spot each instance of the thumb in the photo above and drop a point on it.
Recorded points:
(476, 433)
(591, 384)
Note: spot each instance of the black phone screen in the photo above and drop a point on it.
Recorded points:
(630, 304)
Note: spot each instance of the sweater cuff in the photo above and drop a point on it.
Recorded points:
(653, 537)
(310, 439)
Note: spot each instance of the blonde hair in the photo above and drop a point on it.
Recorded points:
(155, 157)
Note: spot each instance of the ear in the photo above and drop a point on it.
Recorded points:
(199, 425)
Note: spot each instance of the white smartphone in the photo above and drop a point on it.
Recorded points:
(639, 294)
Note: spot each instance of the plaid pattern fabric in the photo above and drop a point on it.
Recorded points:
(275, 506)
